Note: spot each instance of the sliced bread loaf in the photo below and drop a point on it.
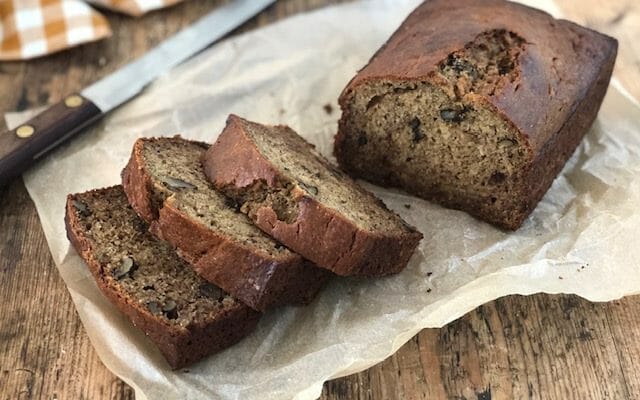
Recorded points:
(185, 316)
(166, 185)
(299, 198)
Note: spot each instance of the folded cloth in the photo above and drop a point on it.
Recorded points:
(33, 28)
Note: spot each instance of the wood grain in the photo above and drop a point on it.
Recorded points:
(536, 347)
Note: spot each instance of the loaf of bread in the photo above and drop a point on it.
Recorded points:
(166, 185)
(185, 316)
(475, 104)
(299, 198)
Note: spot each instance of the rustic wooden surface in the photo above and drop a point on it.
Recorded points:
(539, 347)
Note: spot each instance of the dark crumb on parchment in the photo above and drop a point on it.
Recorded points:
(429, 273)
(429, 290)
(407, 206)
(328, 108)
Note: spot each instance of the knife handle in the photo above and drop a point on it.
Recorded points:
(22, 146)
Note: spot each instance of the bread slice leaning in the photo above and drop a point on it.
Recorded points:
(185, 316)
(299, 198)
(166, 185)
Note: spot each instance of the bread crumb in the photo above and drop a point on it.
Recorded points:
(328, 108)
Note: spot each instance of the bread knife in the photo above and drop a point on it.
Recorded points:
(22, 146)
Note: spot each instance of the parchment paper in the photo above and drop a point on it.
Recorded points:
(583, 238)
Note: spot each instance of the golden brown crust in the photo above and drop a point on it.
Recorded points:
(180, 346)
(318, 233)
(258, 279)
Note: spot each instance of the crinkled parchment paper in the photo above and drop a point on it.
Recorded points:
(583, 238)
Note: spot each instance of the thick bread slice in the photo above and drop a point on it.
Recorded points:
(185, 316)
(166, 185)
(298, 197)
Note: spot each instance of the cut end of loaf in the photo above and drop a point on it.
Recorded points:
(439, 138)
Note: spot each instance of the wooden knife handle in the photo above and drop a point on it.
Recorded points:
(22, 146)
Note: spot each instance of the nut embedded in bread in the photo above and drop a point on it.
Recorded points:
(476, 104)
(166, 185)
(185, 316)
(299, 198)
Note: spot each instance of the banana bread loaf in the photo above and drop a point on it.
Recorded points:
(296, 196)
(185, 316)
(166, 185)
(476, 104)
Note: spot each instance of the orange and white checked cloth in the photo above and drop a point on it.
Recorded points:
(134, 7)
(33, 28)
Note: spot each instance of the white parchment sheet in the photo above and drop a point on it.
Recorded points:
(583, 238)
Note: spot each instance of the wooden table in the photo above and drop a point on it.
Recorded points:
(539, 346)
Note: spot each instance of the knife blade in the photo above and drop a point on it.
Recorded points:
(22, 146)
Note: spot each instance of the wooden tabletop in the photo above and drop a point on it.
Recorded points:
(539, 347)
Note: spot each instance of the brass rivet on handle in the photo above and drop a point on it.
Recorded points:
(73, 101)
(25, 131)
